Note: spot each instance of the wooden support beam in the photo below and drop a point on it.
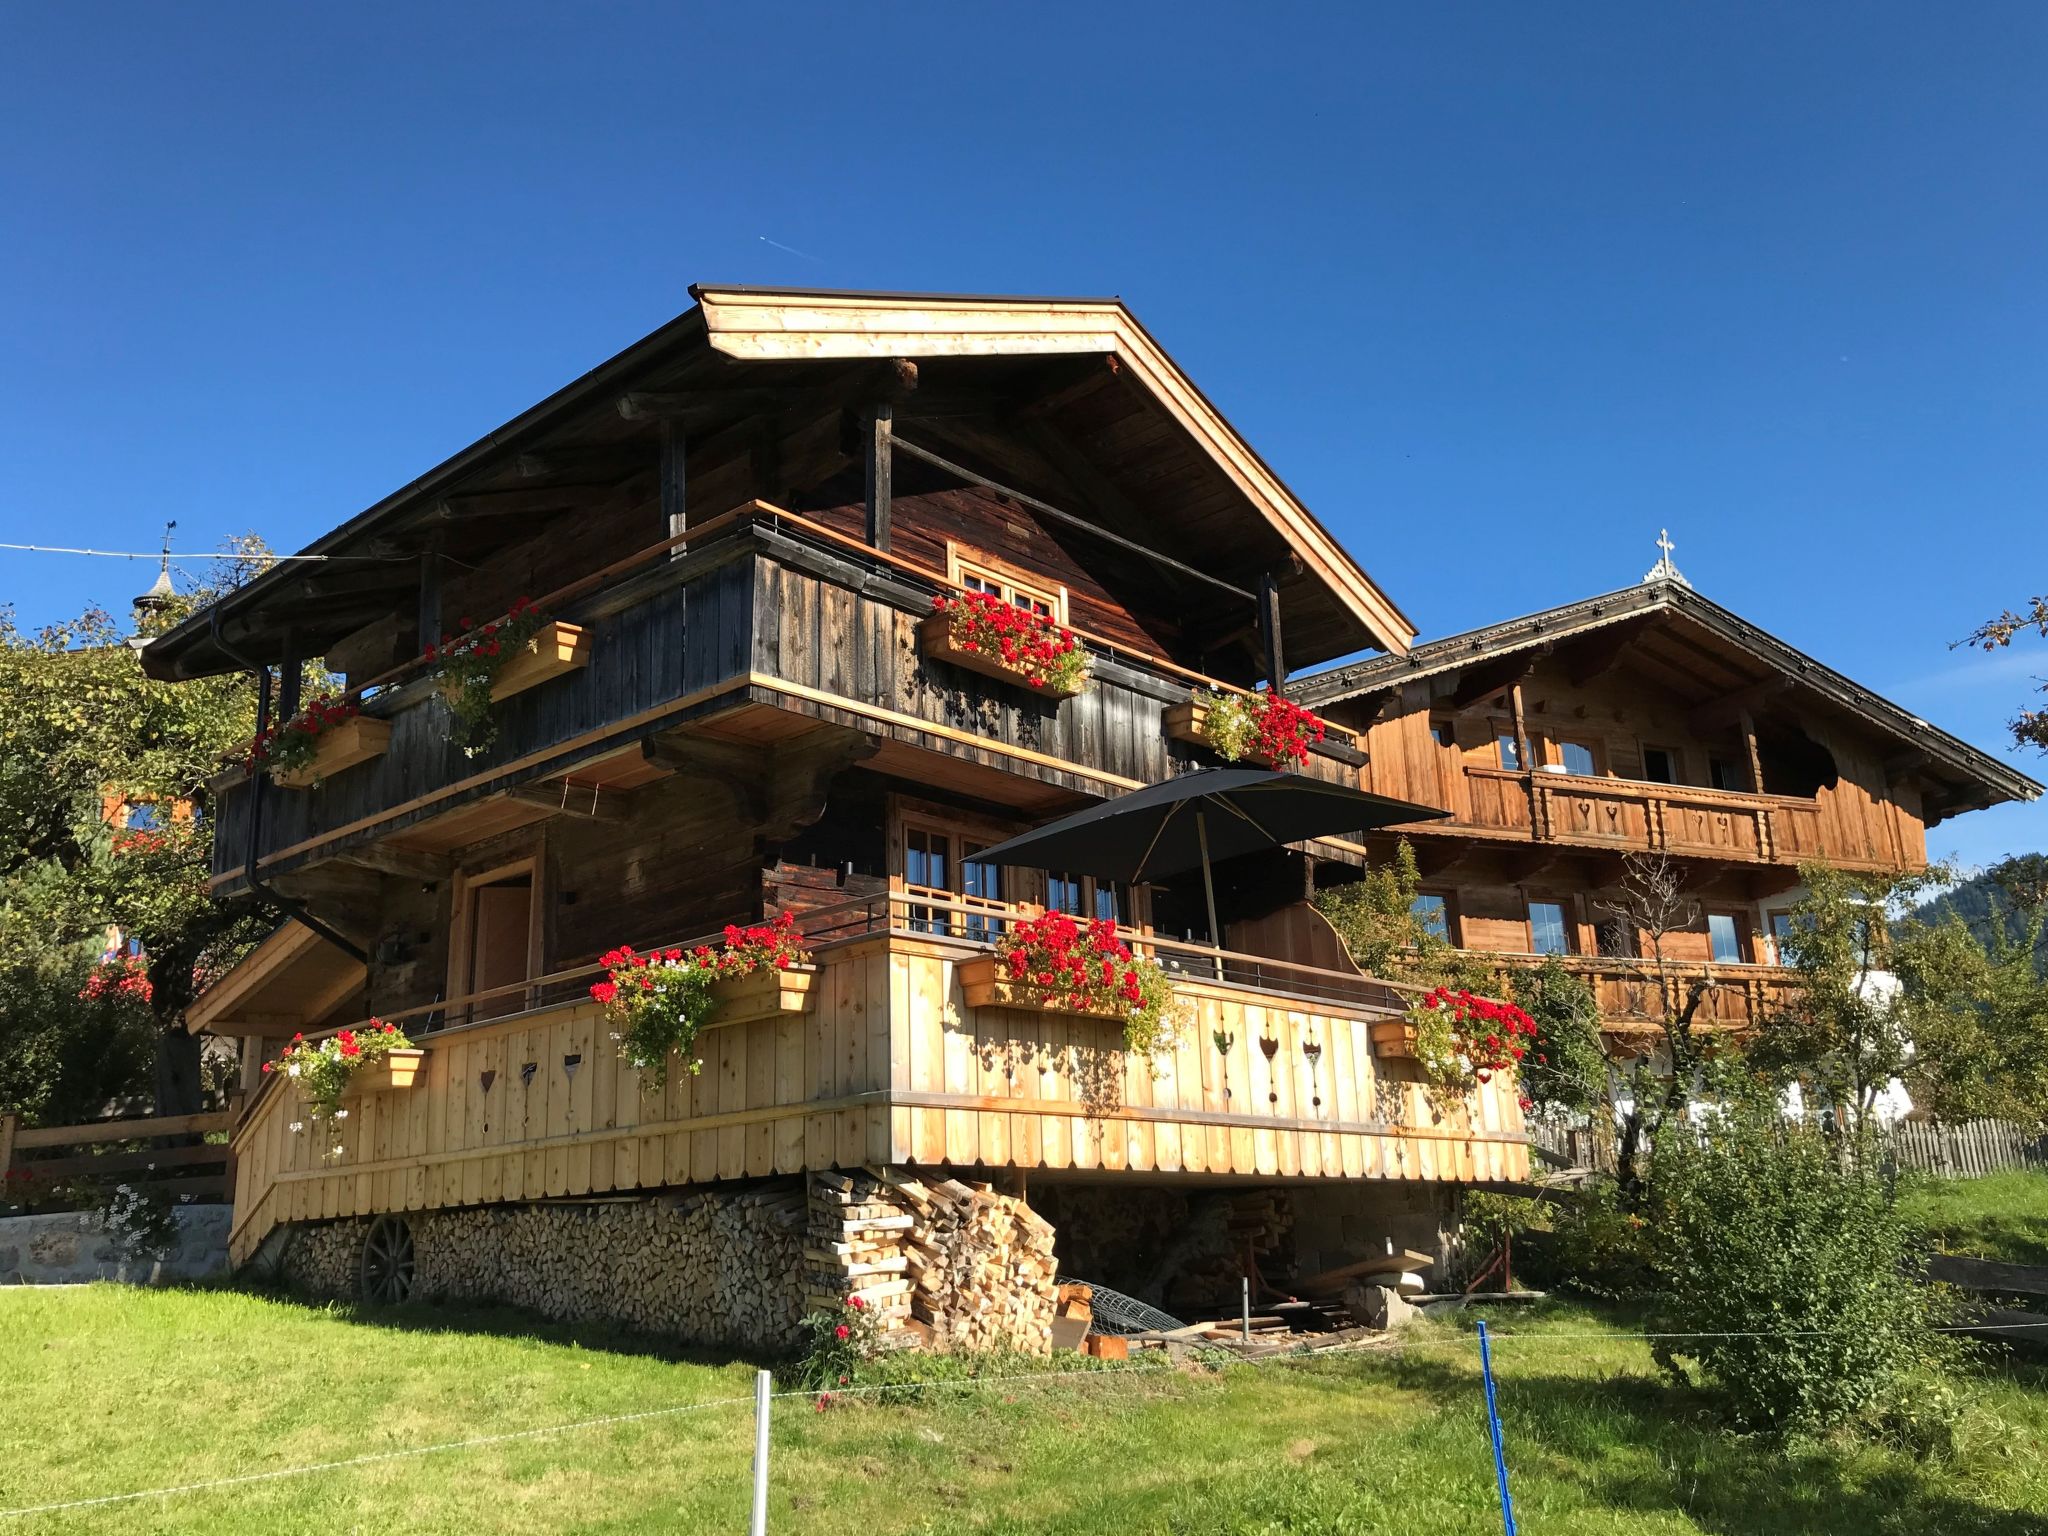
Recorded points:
(1269, 632)
(879, 444)
(1598, 654)
(1756, 762)
(674, 485)
(698, 404)
(1718, 714)
(291, 675)
(1482, 680)
(406, 863)
(430, 594)
(525, 502)
(565, 797)
(1521, 730)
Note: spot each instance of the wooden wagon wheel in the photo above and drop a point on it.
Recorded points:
(387, 1261)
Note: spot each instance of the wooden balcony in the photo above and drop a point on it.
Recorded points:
(1621, 814)
(884, 1061)
(1628, 991)
(766, 610)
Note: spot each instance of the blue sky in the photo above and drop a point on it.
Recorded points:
(1500, 289)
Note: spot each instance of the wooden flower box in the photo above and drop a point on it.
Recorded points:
(394, 1069)
(935, 643)
(355, 740)
(984, 985)
(1393, 1038)
(555, 649)
(762, 995)
(1184, 721)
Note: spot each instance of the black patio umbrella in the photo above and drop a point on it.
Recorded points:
(1194, 819)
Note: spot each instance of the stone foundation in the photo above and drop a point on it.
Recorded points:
(69, 1247)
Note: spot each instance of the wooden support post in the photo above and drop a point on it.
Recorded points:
(1756, 762)
(291, 675)
(674, 486)
(881, 473)
(1536, 804)
(1269, 632)
(8, 1123)
(430, 594)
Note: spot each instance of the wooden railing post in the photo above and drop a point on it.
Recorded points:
(8, 1122)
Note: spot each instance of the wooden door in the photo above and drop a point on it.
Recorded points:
(501, 927)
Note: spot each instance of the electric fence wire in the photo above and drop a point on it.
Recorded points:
(1072, 1377)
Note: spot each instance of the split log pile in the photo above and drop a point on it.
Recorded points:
(714, 1268)
(945, 1263)
(1256, 1225)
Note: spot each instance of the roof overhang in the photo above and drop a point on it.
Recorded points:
(291, 981)
(756, 328)
(765, 324)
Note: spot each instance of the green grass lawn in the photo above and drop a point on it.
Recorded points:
(2003, 1216)
(108, 1389)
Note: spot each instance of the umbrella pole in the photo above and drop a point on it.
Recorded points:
(1208, 886)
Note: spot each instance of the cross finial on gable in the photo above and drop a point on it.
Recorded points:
(1664, 570)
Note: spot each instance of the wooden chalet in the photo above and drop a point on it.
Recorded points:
(736, 529)
(1649, 720)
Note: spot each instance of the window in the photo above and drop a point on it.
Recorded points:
(979, 573)
(1726, 773)
(1781, 936)
(1724, 938)
(1510, 753)
(1085, 896)
(1445, 732)
(1434, 913)
(927, 865)
(1660, 765)
(142, 816)
(1579, 757)
(1548, 932)
(1616, 939)
(980, 883)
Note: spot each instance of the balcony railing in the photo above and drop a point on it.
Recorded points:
(883, 1055)
(1635, 993)
(1623, 814)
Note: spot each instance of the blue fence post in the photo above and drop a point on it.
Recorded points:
(1500, 1458)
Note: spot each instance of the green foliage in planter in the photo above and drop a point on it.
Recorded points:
(467, 665)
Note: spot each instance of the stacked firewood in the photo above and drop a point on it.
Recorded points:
(944, 1263)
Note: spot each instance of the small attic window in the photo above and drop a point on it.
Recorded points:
(977, 572)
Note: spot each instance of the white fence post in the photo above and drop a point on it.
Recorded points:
(759, 1525)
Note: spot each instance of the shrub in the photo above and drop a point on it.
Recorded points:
(1564, 1070)
(1760, 1232)
(840, 1343)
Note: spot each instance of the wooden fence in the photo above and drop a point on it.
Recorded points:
(1967, 1150)
(38, 1159)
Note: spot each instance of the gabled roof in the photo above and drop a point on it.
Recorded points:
(787, 323)
(1660, 598)
(1165, 445)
